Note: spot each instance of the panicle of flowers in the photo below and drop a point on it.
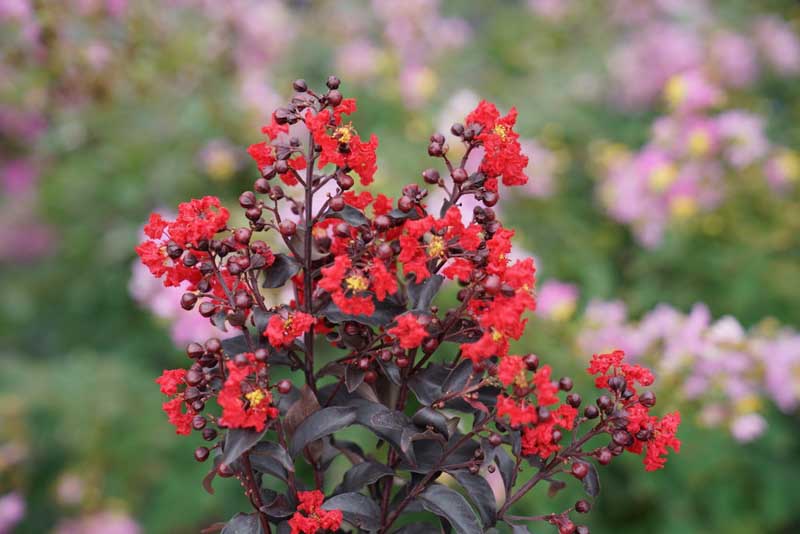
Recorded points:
(364, 272)
(731, 373)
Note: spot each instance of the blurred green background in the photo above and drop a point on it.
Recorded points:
(662, 138)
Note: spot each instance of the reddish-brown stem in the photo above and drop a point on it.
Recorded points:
(255, 493)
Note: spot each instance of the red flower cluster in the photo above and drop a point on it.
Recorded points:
(510, 287)
(245, 397)
(537, 421)
(197, 221)
(340, 143)
(409, 331)
(647, 433)
(265, 154)
(170, 381)
(311, 518)
(283, 330)
(351, 289)
(503, 152)
(433, 239)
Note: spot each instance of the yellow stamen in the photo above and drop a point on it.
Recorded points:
(256, 397)
(675, 91)
(699, 143)
(356, 282)
(344, 133)
(436, 246)
(496, 336)
(662, 177)
(502, 131)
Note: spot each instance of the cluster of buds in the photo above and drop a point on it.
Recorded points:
(365, 273)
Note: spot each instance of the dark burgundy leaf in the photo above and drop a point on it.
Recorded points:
(235, 345)
(458, 377)
(421, 295)
(281, 270)
(238, 441)
(427, 383)
(451, 505)
(218, 320)
(427, 416)
(300, 410)
(384, 314)
(276, 505)
(591, 482)
(243, 524)
(506, 465)
(555, 487)
(261, 319)
(480, 493)
(350, 215)
(361, 475)
(353, 377)
(321, 423)
(357, 509)
(418, 528)
(275, 451)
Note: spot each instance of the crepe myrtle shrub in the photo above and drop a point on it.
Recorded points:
(364, 271)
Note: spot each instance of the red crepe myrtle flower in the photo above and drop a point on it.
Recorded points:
(650, 435)
(282, 331)
(518, 412)
(538, 439)
(504, 155)
(245, 404)
(511, 370)
(409, 332)
(310, 517)
(170, 379)
(197, 221)
(341, 144)
(348, 287)
(182, 420)
(177, 412)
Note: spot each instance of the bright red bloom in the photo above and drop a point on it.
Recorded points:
(663, 437)
(245, 404)
(170, 379)
(342, 146)
(281, 331)
(518, 412)
(310, 517)
(360, 200)
(538, 439)
(511, 370)
(262, 153)
(503, 155)
(155, 227)
(409, 332)
(348, 287)
(382, 205)
(180, 419)
(545, 389)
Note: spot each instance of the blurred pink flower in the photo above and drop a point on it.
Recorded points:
(357, 60)
(734, 59)
(779, 44)
(552, 10)
(556, 300)
(643, 62)
(12, 510)
(748, 427)
(99, 523)
(541, 170)
(743, 135)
